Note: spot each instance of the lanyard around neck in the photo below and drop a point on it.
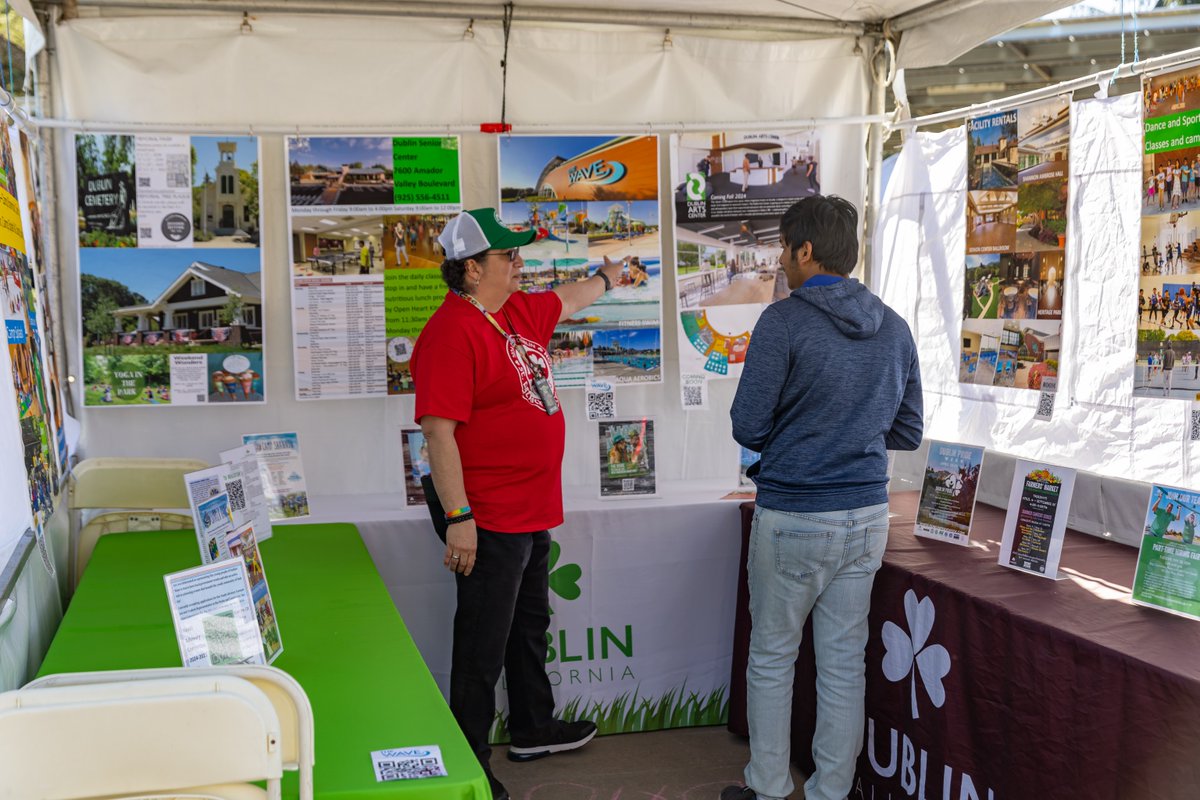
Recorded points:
(512, 338)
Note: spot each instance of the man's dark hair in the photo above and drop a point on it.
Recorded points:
(830, 224)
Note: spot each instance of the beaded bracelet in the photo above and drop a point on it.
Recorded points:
(459, 518)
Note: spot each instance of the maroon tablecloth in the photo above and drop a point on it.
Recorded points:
(1056, 689)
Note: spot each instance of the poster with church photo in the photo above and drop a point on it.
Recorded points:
(170, 270)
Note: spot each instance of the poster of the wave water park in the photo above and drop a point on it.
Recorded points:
(591, 198)
(170, 271)
(731, 188)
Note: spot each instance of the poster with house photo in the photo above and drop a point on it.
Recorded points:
(170, 271)
(1017, 178)
(591, 198)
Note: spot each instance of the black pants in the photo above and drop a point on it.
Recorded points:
(502, 618)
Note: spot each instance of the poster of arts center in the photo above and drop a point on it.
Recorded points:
(170, 284)
(364, 216)
(591, 198)
(730, 189)
(1017, 200)
(1168, 265)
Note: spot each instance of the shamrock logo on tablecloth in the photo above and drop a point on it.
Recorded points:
(907, 656)
(564, 581)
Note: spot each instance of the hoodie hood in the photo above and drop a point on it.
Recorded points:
(854, 310)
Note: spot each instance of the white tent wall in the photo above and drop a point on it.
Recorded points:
(308, 71)
(1098, 425)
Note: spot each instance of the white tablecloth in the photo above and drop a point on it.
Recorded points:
(653, 618)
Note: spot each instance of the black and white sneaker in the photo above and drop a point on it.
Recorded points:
(738, 793)
(563, 736)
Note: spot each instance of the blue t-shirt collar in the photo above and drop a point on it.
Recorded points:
(822, 279)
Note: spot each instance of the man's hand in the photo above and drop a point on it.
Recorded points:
(461, 544)
(613, 269)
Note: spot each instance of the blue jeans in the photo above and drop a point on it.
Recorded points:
(823, 562)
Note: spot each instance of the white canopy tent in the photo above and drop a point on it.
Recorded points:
(272, 67)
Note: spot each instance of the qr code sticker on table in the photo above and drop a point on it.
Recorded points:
(407, 768)
(601, 405)
(1196, 424)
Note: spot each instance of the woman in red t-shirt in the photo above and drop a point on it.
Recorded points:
(486, 403)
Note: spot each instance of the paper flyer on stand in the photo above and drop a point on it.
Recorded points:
(1017, 214)
(1168, 261)
(282, 473)
(948, 492)
(1168, 565)
(365, 214)
(627, 467)
(591, 198)
(731, 188)
(242, 544)
(22, 307)
(416, 465)
(211, 514)
(170, 270)
(1036, 523)
(244, 459)
(213, 613)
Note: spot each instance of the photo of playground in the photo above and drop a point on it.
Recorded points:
(341, 245)
(1009, 353)
(578, 236)
(1169, 179)
(728, 263)
(992, 152)
(628, 355)
(341, 171)
(584, 168)
(755, 165)
(991, 220)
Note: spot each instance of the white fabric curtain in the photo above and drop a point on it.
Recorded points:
(1098, 425)
(308, 71)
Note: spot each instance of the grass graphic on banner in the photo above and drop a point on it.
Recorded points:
(628, 713)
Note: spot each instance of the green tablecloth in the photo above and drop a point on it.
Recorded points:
(343, 641)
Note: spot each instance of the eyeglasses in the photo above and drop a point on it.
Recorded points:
(512, 254)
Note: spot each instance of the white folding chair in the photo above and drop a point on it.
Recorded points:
(186, 736)
(129, 484)
(287, 696)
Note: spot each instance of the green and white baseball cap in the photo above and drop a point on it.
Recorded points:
(472, 232)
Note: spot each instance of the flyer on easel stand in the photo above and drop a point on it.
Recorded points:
(282, 473)
(255, 510)
(1036, 523)
(242, 544)
(948, 492)
(627, 459)
(1168, 565)
(213, 612)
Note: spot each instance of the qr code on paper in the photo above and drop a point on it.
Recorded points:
(1196, 424)
(628, 484)
(179, 172)
(145, 233)
(406, 768)
(407, 763)
(143, 183)
(237, 496)
(601, 405)
(1045, 409)
(693, 396)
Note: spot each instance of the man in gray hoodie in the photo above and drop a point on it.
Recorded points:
(831, 382)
